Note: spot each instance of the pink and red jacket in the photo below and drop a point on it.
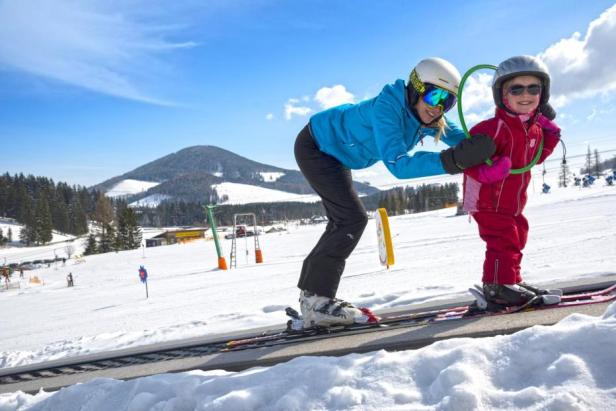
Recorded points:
(520, 143)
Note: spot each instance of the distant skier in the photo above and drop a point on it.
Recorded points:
(355, 136)
(6, 275)
(545, 189)
(69, 280)
(496, 198)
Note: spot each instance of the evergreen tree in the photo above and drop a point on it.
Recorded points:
(59, 213)
(25, 202)
(44, 224)
(9, 235)
(563, 177)
(28, 234)
(2, 239)
(117, 242)
(107, 239)
(588, 161)
(122, 232)
(597, 164)
(91, 247)
(78, 223)
(129, 233)
(133, 239)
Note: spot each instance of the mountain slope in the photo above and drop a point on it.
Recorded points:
(189, 174)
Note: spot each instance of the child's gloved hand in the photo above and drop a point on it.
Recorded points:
(548, 124)
(498, 171)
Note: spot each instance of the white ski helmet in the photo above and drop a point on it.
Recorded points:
(437, 71)
(520, 66)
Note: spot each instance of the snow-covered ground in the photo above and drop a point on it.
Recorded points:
(271, 176)
(58, 242)
(151, 201)
(570, 366)
(129, 187)
(244, 193)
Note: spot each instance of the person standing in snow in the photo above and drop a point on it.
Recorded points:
(355, 136)
(5, 274)
(494, 197)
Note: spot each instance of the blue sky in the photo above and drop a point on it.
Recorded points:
(92, 89)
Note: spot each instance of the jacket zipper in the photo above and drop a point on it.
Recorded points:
(526, 144)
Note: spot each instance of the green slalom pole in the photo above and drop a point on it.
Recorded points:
(222, 264)
(463, 123)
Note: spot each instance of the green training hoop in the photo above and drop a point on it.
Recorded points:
(463, 123)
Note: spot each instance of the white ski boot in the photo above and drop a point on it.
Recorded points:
(324, 311)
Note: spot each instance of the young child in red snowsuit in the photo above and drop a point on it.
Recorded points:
(494, 197)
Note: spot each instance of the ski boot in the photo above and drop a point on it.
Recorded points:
(507, 295)
(319, 311)
(540, 291)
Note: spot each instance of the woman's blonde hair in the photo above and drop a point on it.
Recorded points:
(440, 125)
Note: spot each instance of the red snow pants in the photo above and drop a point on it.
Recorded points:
(505, 237)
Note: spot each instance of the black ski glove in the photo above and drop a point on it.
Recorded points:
(469, 152)
(548, 111)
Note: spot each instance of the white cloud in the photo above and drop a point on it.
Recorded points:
(477, 91)
(325, 97)
(477, 101)
(93, 45)
(292, 109)
(597, 113)
(269, 116)
(473, 118)
(333, 96)
(583, 66)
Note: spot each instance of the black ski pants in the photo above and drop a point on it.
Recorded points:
(347, 217)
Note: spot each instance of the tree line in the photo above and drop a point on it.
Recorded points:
(399, 200)
(42, 206)
(118, 228)
(594, 165)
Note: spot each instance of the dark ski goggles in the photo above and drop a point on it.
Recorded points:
(518, 89)
(438, 97)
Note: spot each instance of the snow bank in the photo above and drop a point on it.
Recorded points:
(568, 366)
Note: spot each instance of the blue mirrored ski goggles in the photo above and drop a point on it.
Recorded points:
(438, 97)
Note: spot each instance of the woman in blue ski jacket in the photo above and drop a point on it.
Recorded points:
(355, 136)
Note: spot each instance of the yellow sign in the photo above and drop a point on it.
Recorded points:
(386, 248)
(183, 234)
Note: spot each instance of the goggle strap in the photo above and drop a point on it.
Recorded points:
(417, 83)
